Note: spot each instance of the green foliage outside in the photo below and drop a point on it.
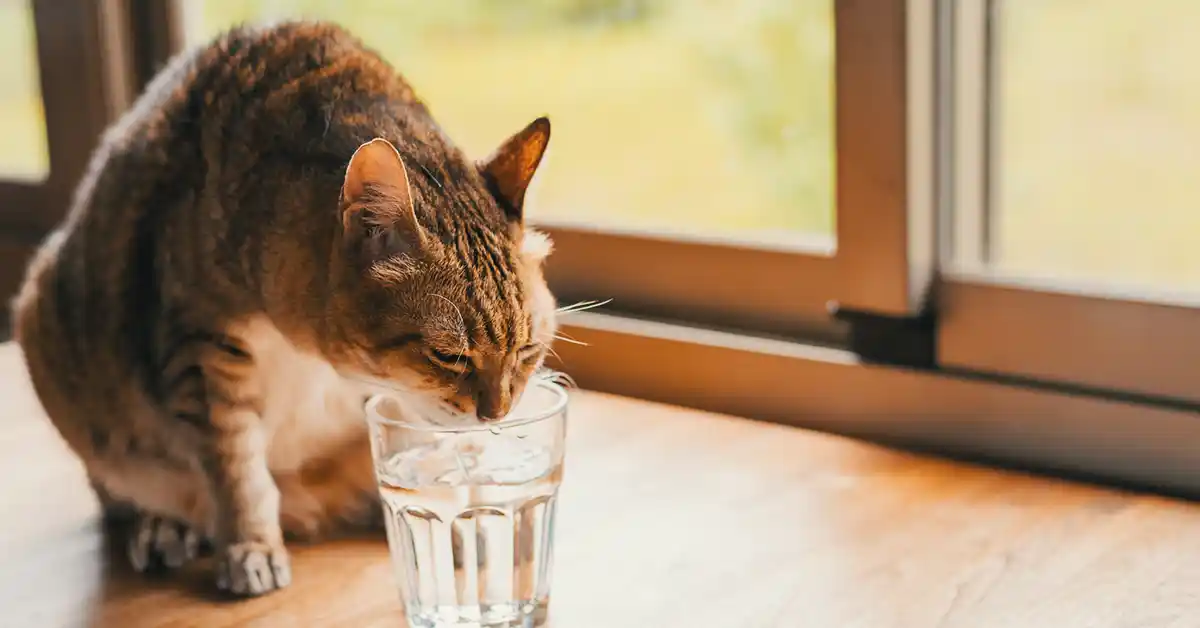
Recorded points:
(715, 117)
(702, 116)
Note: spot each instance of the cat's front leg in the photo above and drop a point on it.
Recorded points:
(251, 558)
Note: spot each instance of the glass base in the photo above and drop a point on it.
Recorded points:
(531, 614)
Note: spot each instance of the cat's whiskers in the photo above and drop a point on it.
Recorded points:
(582, 306)
(565, 338)
(549, 349)
(554, 376)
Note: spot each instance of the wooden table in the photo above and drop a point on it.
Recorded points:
(672, 518)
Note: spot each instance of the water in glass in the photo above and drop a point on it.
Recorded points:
(470, 521)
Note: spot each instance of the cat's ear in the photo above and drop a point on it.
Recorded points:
(509, 170)
(378, 217)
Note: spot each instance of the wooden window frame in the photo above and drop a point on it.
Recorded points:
(722, 326)
(1030, 374)
(882, 258)
(1137, 443)
(1127, 341)
(788, 291)
(83, 68)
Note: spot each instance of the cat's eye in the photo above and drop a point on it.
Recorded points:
(452, 361)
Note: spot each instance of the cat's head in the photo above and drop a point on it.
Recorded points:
(442, 293)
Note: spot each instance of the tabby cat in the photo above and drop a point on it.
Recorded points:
(277, 227)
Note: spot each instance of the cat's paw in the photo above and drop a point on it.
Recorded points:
(158, 542)
(251, 568)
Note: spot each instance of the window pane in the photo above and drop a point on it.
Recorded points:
(23, 152)
(1097, 124)
(711, 117)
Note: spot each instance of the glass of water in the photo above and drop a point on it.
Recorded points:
(470, 509)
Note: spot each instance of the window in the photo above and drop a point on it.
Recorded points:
(1074, 258)
(704, 151)
(665, 118)
(24, 154)
(956, 224)
(61, 83)
(1100, 186)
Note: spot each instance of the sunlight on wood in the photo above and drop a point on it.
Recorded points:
(672, 518)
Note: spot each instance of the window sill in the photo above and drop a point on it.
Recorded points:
(957, 415)
(687, 519)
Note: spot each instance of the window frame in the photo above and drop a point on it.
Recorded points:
(1059, 335)
(884, 254)
(1135, 443)
(1123, 341)
(884, 249)
(702, 335)
(83, 74)
(83, 69)
(704, 279)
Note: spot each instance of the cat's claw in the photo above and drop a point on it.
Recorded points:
(253, 569)
(158, 542)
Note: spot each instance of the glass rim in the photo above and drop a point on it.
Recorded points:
(555, 409)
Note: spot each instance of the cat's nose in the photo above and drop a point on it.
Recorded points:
(493, 398)
(494, 393)
(492, 403)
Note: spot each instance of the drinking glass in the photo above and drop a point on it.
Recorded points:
(470, 509)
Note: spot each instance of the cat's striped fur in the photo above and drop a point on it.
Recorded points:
(241, 254)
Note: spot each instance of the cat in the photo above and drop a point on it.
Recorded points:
(274, 229)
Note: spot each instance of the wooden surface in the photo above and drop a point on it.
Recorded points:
(672, 518)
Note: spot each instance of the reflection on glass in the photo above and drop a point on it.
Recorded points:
(1097, 131)
(712, 117)
(23, 152)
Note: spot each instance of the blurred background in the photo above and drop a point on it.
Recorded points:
(716, 117)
